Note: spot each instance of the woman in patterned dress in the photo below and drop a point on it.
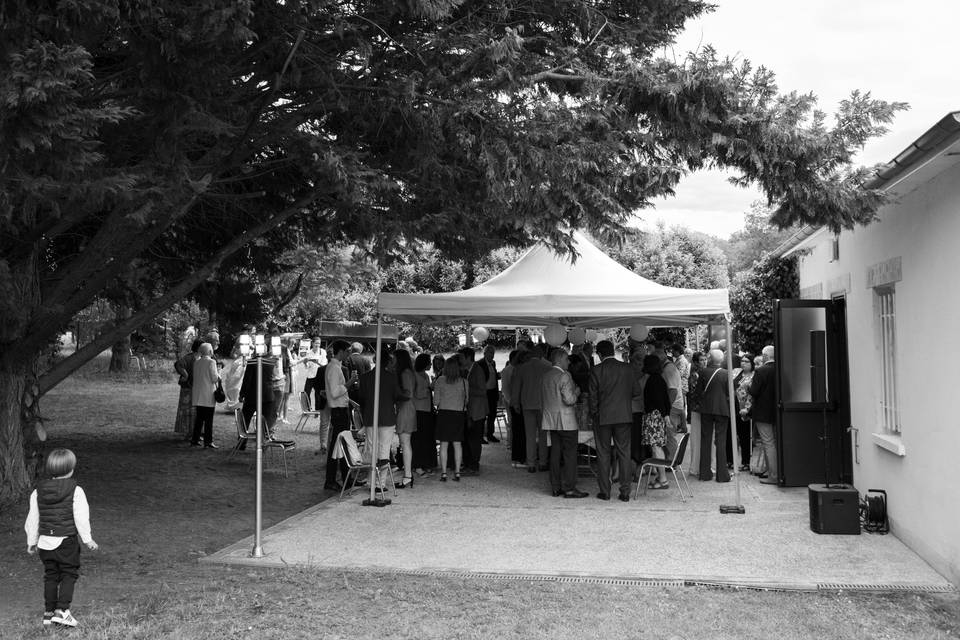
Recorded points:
(656, 411)
(185, 412)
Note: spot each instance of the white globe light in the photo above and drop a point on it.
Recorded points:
(577, 335)
(555, 335)
(591, 335)
(480, 334)
(639, 332)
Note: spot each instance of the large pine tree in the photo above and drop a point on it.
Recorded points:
(164, 135)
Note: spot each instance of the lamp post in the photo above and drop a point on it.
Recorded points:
(259, 348)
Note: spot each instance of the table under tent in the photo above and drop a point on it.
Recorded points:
(543, 288)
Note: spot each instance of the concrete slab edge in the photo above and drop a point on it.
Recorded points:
(723, 582)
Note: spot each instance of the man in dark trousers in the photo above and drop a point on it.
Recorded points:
(337, 386)
(714, 416)
(489, 368)
(476, 410)
(613, 386)
(248, 394)
(527, 388)
(764, 411)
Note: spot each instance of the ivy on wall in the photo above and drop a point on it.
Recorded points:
(752, 295)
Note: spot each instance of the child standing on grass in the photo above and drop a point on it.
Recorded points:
(58, 515)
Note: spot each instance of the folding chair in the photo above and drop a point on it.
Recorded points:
(586, 455)
(501, 421)
(306, 412)
(280, 448)
(349, 450)
(675, 465)
(243, 435)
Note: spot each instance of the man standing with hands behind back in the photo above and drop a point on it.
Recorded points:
(612, 388)
(560, 394)
(764, 411)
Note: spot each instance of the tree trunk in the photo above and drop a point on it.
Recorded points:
(120, 352)
(19, 415)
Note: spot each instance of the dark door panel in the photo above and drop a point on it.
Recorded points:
(811, 390)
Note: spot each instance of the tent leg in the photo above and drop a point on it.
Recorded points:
(373, 500)
(737, 507)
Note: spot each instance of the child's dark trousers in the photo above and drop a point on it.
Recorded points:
(61, 568)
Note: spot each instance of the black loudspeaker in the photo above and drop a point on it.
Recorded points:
(834, 509)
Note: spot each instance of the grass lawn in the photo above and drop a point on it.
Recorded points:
(158, 505)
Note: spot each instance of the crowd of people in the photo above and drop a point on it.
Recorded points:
(436, 412)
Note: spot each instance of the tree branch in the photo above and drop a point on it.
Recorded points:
(290, 296)
(108, 336)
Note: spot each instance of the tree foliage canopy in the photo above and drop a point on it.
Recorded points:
(165, 135)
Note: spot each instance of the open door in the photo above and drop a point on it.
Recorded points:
(812, 392)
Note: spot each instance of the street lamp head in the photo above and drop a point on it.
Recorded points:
(259, 344)
(244, 341)
(275, 346)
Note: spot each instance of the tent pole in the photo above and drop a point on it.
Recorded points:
(738, 506)
(374, 501)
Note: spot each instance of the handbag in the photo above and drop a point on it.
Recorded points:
(218, 394)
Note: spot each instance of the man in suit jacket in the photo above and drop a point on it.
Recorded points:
(714, 416)
(476, 410)
(489, 368)
(613, 386)
(560, 393)
(248, 394)
(527, 386)
(764, 411)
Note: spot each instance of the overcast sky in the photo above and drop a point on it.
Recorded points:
(897, 50)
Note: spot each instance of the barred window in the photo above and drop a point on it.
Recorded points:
(886, 316)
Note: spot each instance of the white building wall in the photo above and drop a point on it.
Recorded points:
(922, 484)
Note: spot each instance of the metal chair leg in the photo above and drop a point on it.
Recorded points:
(683, 475)
(301, 423)
(676, 481)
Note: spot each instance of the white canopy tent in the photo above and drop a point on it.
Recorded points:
(543, 288)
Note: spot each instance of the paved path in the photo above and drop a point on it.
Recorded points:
(505, 522)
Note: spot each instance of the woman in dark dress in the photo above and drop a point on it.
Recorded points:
(450, 392)
(185, 411)
(741, 386)
(638, 450)
(518, 435)
(656, 411)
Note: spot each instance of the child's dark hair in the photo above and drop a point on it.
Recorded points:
(60, 462)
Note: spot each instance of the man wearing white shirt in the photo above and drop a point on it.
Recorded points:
(338, 400)
(314, 361)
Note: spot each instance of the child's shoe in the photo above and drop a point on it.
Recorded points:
(47, 618)
(63, 616)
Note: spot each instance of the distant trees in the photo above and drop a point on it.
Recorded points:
(758, 236)
(674, 257)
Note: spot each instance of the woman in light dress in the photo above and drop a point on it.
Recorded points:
(205, 379)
